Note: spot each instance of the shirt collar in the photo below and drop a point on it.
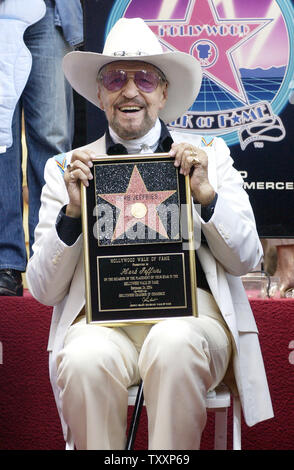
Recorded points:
(164, 144)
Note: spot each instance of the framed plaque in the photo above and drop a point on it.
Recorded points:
(138, 241)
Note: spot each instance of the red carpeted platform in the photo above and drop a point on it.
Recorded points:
(28, 418)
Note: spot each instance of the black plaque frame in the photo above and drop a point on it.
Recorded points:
(131, 279)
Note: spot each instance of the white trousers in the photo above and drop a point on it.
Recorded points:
(179, 360)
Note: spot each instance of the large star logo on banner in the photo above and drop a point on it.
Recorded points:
(211, 40)
(137, 204)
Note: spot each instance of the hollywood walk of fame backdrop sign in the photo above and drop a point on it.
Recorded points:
(138, 241)
(246, 50)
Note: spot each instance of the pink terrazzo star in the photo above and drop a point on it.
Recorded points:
(137, 204)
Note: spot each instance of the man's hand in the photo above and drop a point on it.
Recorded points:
(76, 172)
(193, 161)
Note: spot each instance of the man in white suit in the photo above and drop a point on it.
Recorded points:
(140, 88)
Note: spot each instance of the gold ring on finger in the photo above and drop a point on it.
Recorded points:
(195, 161)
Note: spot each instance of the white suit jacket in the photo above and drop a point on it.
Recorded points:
(55, 273)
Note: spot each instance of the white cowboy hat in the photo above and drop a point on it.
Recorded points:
(132, 39)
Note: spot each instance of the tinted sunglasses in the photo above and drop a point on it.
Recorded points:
(115, 80)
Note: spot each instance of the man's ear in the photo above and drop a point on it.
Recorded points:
(164, 95)
(99, 98)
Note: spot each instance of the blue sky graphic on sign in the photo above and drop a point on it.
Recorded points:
(245, 49)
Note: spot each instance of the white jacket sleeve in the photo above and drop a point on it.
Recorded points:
(231, 232)
(51, 268)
